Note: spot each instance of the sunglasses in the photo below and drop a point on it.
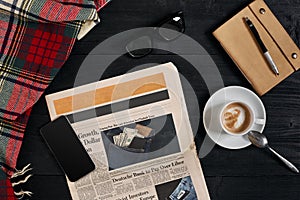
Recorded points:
(168, 30)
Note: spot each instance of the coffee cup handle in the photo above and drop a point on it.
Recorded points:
(260, 121)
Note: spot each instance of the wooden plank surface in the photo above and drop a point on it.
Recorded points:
(244, 174)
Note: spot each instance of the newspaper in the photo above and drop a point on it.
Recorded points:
(136, 129)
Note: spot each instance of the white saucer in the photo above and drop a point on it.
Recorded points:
(211, 118)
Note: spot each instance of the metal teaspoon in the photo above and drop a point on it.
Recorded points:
(260, 140)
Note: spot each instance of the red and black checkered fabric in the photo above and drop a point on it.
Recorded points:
(35, 40)
(6, 189)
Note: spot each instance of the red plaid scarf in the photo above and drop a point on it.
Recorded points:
(36, 38)
(6, 190)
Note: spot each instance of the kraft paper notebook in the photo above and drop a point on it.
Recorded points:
(241, 46)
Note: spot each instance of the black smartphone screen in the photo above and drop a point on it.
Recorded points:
(67, 148)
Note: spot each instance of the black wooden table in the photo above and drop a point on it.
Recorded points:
(248, 173)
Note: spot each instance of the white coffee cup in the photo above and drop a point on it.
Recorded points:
(238, 118)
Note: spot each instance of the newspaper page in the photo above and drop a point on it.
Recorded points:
(136, 129)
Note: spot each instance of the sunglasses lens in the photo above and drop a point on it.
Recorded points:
(139, 47)
(172, 29)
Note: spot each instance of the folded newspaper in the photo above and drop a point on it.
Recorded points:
(136, 129)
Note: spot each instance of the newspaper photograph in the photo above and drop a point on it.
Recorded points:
(136, 130)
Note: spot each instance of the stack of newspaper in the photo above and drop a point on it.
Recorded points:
(136, 129)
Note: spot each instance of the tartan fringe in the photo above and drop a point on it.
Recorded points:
(21, 181)
(17, 174)
(21, 172)
(22, 193)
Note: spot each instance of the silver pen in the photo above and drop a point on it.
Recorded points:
(262, 46)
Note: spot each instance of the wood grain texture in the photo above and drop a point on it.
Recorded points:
(245, 174)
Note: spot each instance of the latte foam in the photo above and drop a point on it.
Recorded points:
(236, 117)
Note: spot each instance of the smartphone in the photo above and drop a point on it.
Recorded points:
(67, 148)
